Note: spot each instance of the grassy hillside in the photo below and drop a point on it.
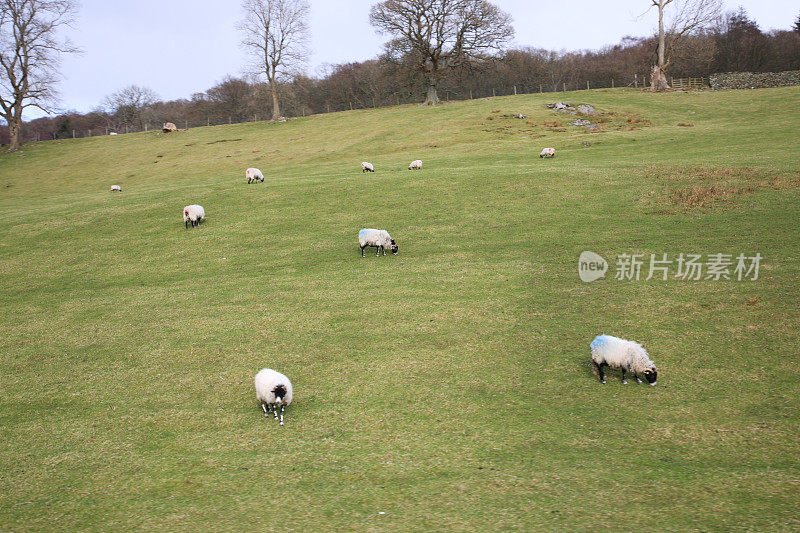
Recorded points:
(445, 388)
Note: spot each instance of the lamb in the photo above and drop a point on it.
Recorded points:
(273, 389)
(379, 238)
(253, 174)
(116, 188)
(416, 165)
(548, 152)
(619, 353)
(367, 167)
(193, 213)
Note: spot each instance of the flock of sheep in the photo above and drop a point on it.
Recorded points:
(274, 390)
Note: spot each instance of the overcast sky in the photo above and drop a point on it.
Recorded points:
(180, 47)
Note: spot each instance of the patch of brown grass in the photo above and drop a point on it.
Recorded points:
(552, 124)
(686, 124)
(707, 187)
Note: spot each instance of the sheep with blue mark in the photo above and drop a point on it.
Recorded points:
(273, 389)
(379, 238)
(626, 355)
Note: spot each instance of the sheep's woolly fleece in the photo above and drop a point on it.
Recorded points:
(620, 353)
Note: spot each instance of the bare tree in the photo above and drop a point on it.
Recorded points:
(129, 105)
(276, 34)
(688, 16)
(441, 35)
(30, 51)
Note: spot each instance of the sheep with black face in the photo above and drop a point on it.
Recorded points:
(273, 389)
(193, 214)
(626, 355)
(379, 238)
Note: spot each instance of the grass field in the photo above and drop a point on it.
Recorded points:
(446, 388)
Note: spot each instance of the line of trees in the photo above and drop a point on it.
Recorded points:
(733, 43)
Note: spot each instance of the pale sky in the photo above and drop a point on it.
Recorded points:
(180, 47)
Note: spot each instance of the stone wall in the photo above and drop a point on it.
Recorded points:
(754, 80)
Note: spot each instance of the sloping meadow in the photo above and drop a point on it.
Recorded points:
(447, 387)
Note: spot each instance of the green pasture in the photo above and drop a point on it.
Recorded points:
(446, 388)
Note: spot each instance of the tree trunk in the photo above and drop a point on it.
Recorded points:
(432, 98)
(658, 79)
(14, 127)
(276, 108)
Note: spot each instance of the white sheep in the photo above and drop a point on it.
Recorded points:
(416, 165)
(367, 167)
(116, 188)
(379, 238)
(193, 213)
(619, 353)
(273, 389)
(548, 152)
(253, 174)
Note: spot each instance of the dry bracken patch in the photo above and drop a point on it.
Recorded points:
(696, 187)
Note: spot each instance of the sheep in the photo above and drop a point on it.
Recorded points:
(379, 238)
(193, 213)
(619, 353)
(116, 188)
(367, 167)
(416, 165)
(548, 152)
(273, 389)
(253, 174)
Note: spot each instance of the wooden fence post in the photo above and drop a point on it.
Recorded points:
(587, 85)
(73, 134)
(229, 120)
(470, 94)
(493, 91)
(540, 87)
(515, 90)
(186, 124)
(565, 86)
(612, 83)
(351, 106)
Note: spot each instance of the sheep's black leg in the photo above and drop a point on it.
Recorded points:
(186, 223)
(362, 251)
(377, 251)
(637, 378)
(623, 377)
(275, 411)
(283, 406)
(599, 370)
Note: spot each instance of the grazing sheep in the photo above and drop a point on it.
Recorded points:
(273, 389)
(519, 115)
(416, 165)
(116, 188)
(253, 174)
(627, 355)
(367, 167)
(548, 152)
(379, 238)
(193, 213)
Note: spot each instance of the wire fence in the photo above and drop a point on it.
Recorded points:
(368, 102)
